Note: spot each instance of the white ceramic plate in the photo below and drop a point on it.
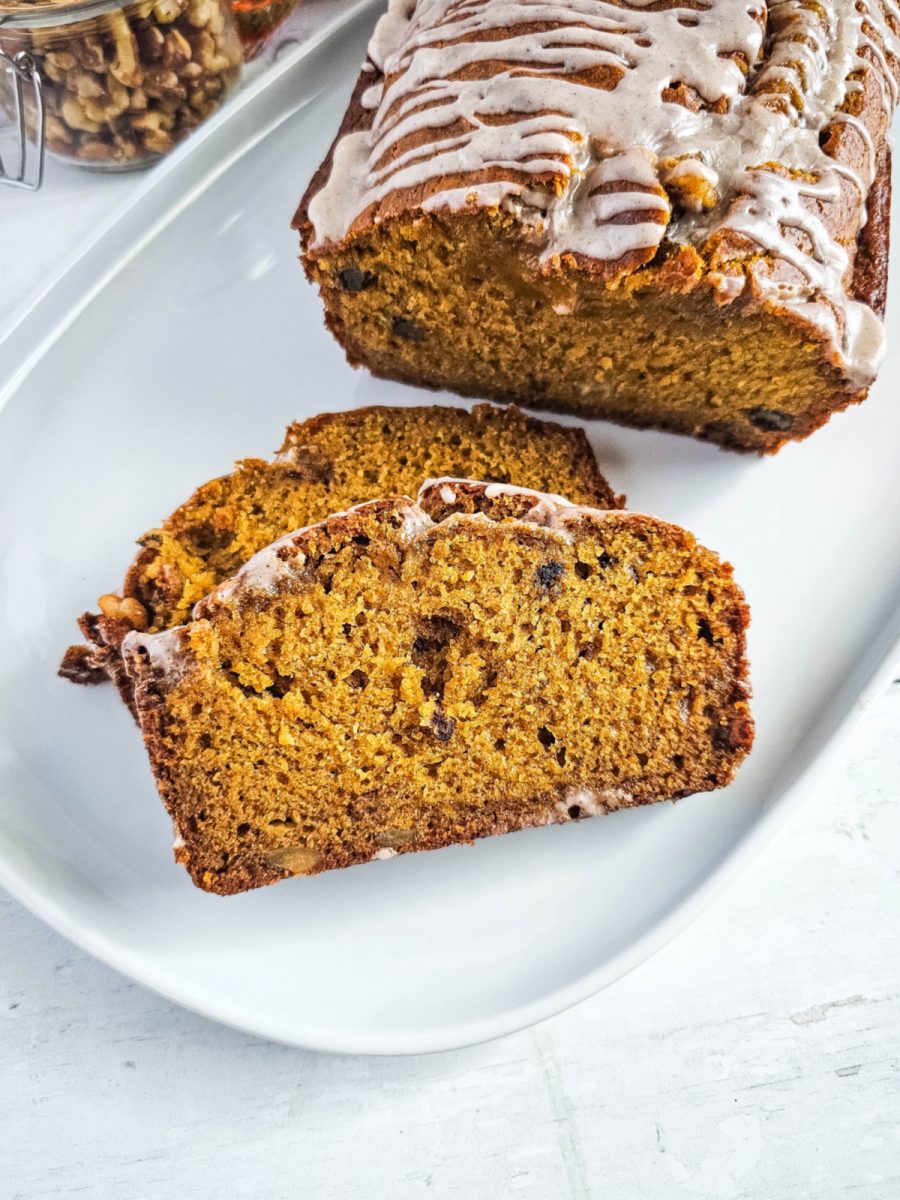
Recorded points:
(185, 337)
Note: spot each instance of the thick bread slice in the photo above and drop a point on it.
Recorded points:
(403, 676)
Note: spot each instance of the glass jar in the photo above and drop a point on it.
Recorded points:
(115, 86)
(257, 20)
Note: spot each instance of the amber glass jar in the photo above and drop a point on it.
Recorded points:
(257, 20)
(121, 84)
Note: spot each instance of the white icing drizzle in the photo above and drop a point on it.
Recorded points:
(592, 803)
(571, 134)
(493, 491)
(166, 650)
(590, 226)
(728, 287)
(261, 572)
(549, 511)
(867, 140)
(415, 522)
(692, 168)
(268, 567)
(449, 487)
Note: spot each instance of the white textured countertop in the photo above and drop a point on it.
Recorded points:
(757, 1057)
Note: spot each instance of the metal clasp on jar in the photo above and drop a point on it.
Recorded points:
(22, 72)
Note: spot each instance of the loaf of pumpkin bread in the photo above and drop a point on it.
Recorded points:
(668, 214)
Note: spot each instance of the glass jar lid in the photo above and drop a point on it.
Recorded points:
(41, 14)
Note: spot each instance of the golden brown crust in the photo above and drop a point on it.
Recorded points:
(870, 266)
(841, 141)
(355, 119)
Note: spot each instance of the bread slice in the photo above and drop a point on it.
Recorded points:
(325, 465)
(405, 676)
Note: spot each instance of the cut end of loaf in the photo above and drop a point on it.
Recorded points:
(456, 301)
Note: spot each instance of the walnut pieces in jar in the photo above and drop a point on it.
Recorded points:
(123, 84)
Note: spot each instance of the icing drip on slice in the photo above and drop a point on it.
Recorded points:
(606, 128)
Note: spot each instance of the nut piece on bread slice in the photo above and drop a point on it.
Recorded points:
(405, 676)
(325, 465)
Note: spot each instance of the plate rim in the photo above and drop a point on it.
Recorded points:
(475, 1032)
(34, 329)
(66, 294)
